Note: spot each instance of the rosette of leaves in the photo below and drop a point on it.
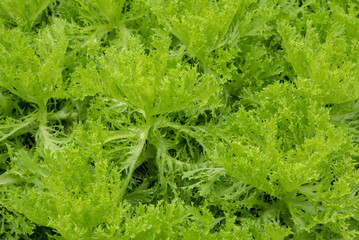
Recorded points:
(288, 147)
(33, 87)
(153, 103)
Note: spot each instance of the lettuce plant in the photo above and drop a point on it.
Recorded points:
(152, 119)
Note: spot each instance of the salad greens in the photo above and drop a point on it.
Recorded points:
(153, 119)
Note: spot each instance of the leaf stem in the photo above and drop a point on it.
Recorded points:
(132, 160)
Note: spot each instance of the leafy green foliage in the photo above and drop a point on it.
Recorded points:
(333, 76)
(13, 225)
(152, 119)
(101, 19)
(288, 156)
(27, 13)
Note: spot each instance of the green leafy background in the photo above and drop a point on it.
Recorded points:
(154, 119)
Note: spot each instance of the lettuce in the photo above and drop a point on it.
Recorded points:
(152, 119)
